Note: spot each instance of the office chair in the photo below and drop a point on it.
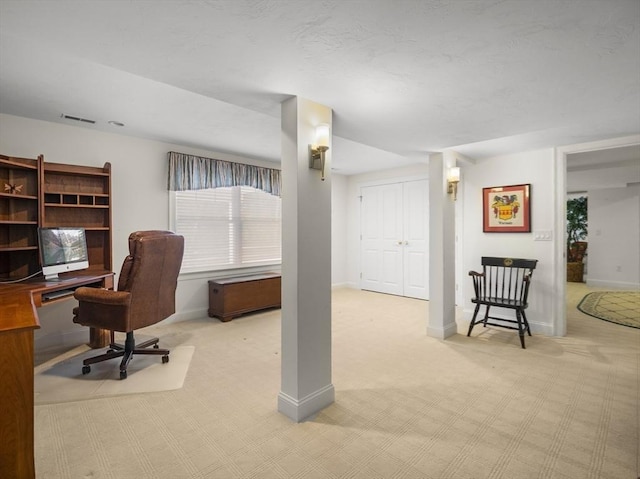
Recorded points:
(145, 296)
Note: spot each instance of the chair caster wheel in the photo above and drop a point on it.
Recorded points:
(86, 369)
(165, 359)
(123, 374)
(155, 346)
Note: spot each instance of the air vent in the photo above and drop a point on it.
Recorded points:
(77, 118)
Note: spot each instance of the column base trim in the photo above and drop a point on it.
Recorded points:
(442, 333)
(299, 410)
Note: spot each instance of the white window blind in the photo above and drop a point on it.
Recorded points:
(226, 228)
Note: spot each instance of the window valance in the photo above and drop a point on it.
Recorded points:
(189, 172)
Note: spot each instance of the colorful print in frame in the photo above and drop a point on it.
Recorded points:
(506, 209)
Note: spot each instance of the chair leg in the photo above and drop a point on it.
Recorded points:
(126, 358)
(526, 323)
(473, 320)
(154, 351)
(151, 342)
(103, 357)
(486, 316)
(143, 348)
(520, 328)
(129, 347)
(126, 351)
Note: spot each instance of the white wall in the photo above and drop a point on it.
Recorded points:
(140, 201)
(614, 236)
(535, 168)
(338, 230)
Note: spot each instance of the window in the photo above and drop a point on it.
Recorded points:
(226, 228)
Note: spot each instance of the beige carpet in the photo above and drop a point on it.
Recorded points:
(61, 379)
(407, 406)
(620, 307)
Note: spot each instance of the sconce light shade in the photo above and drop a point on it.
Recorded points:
(317, 151)
(453, 178)
(454, 174)
(322, 135)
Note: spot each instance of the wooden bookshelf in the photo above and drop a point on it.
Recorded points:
(35, 193)
(19, 216)
(73, 195)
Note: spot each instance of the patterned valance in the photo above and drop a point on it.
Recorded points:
(188, 172)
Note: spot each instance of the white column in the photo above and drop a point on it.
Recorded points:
(306, 265)
(442, 308)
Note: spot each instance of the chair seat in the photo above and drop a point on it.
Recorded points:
(501, 302)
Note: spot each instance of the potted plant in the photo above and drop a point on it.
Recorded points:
(576, 234)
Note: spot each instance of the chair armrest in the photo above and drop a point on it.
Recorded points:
(103, 309)
(102, 296)
(475, 273)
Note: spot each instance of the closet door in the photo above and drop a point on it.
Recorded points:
(416, 239)
(381, 239)
(394, 239)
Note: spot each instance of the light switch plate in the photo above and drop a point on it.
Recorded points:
(543, 235)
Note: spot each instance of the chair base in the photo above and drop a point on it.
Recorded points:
(126, 352)
(522, 325)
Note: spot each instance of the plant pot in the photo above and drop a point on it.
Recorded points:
(575, 272)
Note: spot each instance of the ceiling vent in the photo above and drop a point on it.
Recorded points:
(77, 118)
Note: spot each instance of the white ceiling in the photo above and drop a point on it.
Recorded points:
(404, 78)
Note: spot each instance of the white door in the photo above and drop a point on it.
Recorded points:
(381, 235)
(394, 239)
(416, 239)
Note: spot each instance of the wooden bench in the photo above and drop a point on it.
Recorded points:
(504, 283)
(232, 297)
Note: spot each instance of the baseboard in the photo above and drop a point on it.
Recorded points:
(187, 315)
(602, 283)
(442, 333)
(204, 312)
(536, 327)
(300, 409)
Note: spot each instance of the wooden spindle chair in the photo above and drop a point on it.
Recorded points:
(503, 283)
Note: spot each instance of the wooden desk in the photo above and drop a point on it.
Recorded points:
(18, 320)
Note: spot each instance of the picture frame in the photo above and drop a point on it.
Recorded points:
(506, 209)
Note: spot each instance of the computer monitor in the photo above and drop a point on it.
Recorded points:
(62, 249)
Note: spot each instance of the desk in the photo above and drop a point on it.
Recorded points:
(18, 320)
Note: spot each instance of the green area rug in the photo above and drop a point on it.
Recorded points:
(620, 307)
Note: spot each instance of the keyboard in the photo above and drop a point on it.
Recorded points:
(57, 294)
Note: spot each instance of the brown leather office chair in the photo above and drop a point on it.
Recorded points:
(145, 296)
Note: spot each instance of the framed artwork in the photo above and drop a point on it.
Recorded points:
(506, 209)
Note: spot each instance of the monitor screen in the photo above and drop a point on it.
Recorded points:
(62, 249)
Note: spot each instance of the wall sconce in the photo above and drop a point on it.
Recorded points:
(317, 151)
(453, 178)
